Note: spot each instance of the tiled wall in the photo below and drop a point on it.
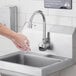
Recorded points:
(53, 16)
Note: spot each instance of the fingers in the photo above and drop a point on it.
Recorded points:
(25, 46)
(21, 42)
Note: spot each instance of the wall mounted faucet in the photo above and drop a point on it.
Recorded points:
(46, 40)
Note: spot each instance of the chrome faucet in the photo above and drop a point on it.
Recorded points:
(46, 41)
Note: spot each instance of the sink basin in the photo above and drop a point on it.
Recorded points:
(29, 63)
(31, 60)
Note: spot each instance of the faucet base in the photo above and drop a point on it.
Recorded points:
(41, 48)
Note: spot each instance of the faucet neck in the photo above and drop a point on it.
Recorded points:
(44, 23)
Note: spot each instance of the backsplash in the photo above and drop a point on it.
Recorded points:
(53, 16)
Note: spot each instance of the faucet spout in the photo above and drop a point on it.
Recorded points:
(44, 23)
(45, 41)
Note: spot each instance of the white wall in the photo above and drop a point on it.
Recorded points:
(53, 17)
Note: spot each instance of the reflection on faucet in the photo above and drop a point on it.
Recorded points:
(46, 41)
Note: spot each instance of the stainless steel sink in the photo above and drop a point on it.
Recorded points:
(31, 60)
(29, 63)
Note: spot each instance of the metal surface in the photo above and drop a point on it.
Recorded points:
(34, 65)
(58, 4)
(14, 18)
(45, 42)
(29, 60)
(44, 23)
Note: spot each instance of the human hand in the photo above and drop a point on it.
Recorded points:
(21, 42)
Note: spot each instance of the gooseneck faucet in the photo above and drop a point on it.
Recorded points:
(45, 42)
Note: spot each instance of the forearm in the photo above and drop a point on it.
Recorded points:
(19, 40)
(6, 32)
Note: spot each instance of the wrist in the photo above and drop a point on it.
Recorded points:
(13, 35)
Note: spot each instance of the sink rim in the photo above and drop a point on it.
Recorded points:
(40, 65)
(32, 54)
(37, 71)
